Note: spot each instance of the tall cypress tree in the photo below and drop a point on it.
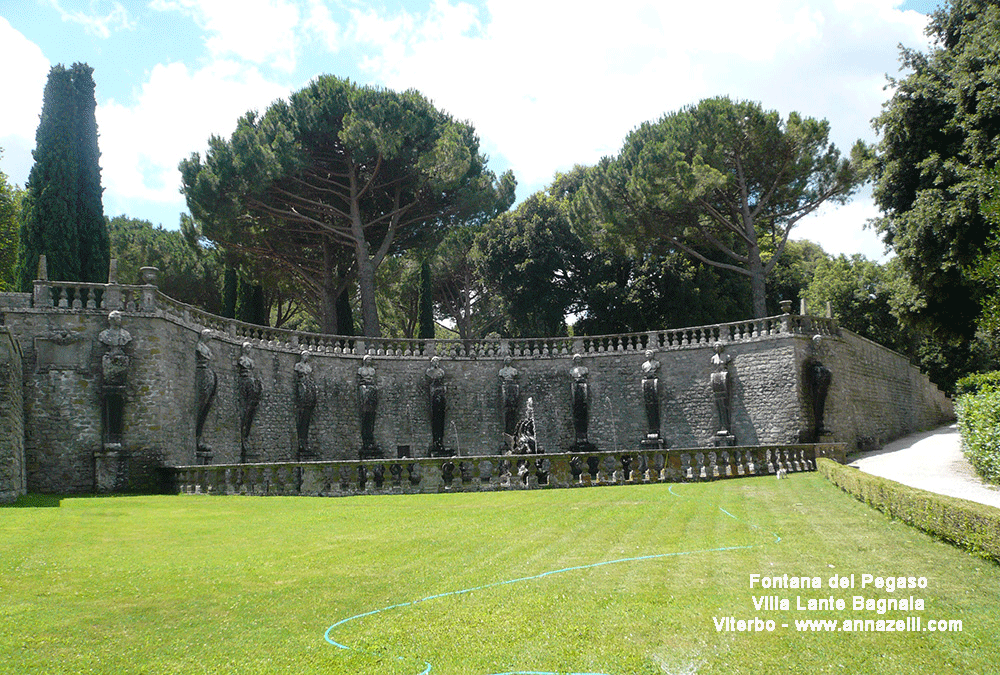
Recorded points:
(425, 311)
(63, 215)
(95, 247)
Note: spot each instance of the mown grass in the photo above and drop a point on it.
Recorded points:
(250, 585)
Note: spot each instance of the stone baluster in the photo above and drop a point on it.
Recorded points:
(487, 477)
(701, 466)
(686, 470)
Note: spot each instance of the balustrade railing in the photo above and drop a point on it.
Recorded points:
(496, 472)
(146, 298)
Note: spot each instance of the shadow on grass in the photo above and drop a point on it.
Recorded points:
(36, 502)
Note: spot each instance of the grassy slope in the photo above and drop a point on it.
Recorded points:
(249, 585)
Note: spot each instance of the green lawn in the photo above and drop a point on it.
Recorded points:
(195, 584)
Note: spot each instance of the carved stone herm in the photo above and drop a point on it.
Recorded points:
(305, 402)
(438, 400)
(819, 377)
(651, 399)
(115, 362)
(114, 372)
(721, 392)
(367, 403)
(510, 395)
(581, 402)
(250, 391)
(205, 384)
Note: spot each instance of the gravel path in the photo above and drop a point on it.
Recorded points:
(931, 461)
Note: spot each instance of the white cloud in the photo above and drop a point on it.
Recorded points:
(117, 18)
(320, 25)
(259, 31)
(550, 85)
(841, 229)
(175, 112)
(24, 81)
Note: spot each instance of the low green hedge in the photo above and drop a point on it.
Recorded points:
(975, 527)
(979, 423)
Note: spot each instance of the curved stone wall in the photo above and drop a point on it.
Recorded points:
(66, 447)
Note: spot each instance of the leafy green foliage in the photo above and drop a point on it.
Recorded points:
(10, 205)
(979, 423)
(63, 215)
(939, 134)
(859, 293)
(976, 382)
(185, 274)
(328, 184)
(724, 176)
(532, 258)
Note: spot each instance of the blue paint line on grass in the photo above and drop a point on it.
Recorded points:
(507, 582)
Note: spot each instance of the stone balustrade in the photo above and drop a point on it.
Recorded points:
(497, 472)
(659, 340)
(147, 299)
(80, 295)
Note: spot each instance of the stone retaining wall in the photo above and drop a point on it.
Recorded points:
(65, 451)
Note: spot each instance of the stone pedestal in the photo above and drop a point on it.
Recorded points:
(107, 468)
(724, 440)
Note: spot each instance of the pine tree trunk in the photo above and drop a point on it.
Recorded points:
(366, 289)
(758, 286)
(425, 310)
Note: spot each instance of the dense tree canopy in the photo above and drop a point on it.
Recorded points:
(10, 204)
(63, 213)
(532, 258)
(185, 274)
(329, 183)
(939, 141)
(725, 176)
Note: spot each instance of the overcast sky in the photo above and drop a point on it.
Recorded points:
(546, 84)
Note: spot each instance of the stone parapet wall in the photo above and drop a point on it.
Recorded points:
(491, 473)
(13, 482)
(65, 451)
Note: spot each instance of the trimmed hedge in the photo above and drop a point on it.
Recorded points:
(973, 526)
(979, 423)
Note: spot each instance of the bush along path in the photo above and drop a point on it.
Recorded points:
(328, 636)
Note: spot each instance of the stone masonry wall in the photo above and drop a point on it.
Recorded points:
(12, 479)
(875, 394)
